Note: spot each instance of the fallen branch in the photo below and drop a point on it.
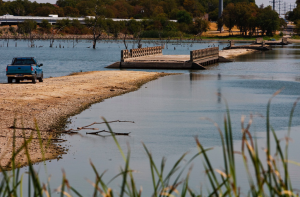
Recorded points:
(104, 123)
(68, 132)
(97, 132)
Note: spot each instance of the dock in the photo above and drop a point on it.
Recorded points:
(152, 58)
(259, 44)
(283, 41)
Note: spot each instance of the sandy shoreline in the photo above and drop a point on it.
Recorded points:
(231, 53)
(52, 102)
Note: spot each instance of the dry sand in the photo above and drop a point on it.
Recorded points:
(231, 53)
(50, 103)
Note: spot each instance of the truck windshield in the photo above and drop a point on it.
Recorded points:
(24, 61)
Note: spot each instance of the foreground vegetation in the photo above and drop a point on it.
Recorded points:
(267, 176)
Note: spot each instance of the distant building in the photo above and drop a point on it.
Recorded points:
(52, 18)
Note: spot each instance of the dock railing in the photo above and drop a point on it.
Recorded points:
(125, 54)
(284, 41)
(202, 53)
(259, 40)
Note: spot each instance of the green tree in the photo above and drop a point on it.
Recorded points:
(123, 9)
(184, 17)
(242, 15)
(268, 21)
(214, 15)
(229, 17)
(134, 27)
(201, 25)
(65, 3)
(27, 27)
(295, 14)
(71, 11)
(45, 25)
(194, 7)
(297, 28)
(61, 24)
(220, 24)
(86, 8)
(169, 7)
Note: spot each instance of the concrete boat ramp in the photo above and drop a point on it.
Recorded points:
(152, 58)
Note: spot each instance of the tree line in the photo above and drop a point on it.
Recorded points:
(116, 8)
(249, 19)
(246, 16)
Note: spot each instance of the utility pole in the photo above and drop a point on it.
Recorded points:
(279, 5)
(284, 7)
(220, 11)
(274, 4)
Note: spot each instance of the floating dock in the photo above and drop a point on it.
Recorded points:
(152, 58)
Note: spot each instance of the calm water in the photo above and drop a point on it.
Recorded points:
(63, 61)
(167, 111)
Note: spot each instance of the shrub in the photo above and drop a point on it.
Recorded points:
(12, 30)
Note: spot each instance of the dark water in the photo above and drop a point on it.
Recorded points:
(167, 114)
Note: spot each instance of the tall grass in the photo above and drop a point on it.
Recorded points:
(263, 173)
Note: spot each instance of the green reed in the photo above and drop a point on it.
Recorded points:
(263, 173)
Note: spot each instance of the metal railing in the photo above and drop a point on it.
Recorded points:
(201, 53)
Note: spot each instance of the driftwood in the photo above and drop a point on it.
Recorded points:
(75, 131)
(97, 132)
(104, 123)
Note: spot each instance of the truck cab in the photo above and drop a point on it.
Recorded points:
(24, 68)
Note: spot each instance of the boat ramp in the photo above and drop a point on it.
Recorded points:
(153, 58)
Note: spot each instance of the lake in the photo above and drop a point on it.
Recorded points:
(166, 112)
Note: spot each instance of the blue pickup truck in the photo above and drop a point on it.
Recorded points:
(24, 68)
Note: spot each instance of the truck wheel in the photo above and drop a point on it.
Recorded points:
(9, 79)
(41, 78)
(17, 80)
(34, 78)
